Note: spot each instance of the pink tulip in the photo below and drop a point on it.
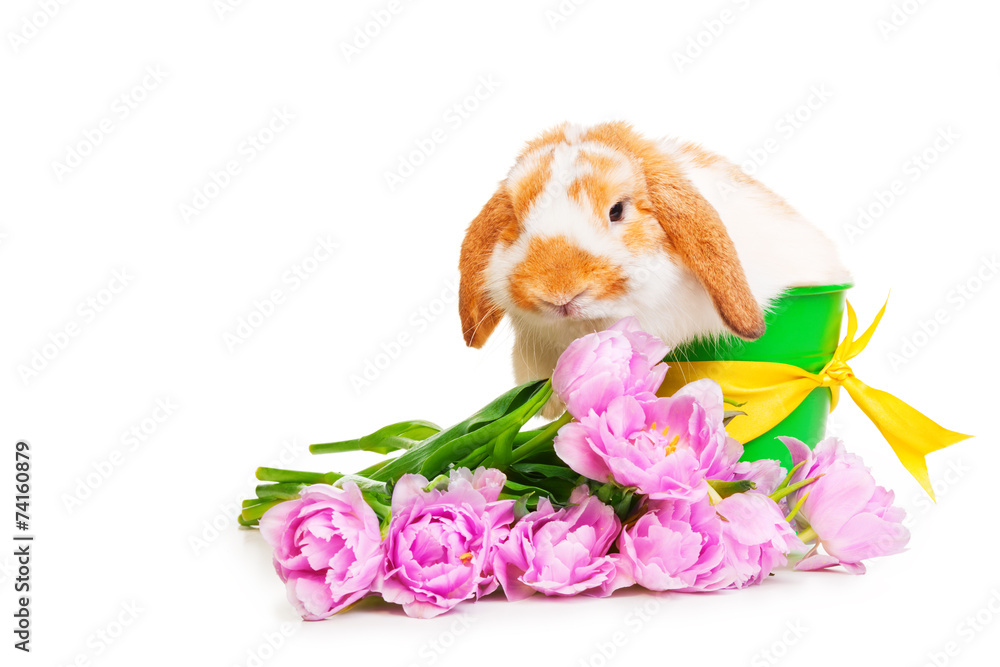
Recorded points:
(561, 552)
(756, 535)
(665, 447)
(852, 518)
(599, 367)
(327, 548)
(441, 542)
(677, 546)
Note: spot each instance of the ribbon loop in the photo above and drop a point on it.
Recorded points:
(772, 390)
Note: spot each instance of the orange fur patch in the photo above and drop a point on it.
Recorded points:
(479, 314)
(601, 193)
(599, 163)
(642, 236)
(556, 135)
(555, 269)
(523, 193)
(694, 232)
(575, 191)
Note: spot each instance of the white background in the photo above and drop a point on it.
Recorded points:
(207, 595)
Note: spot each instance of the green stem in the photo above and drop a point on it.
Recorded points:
(808, 535)
(255, 512)
(335, 447)
(402, 435)
(781, 493)
(297, 476)
(375, 467)
(798, 506)
(282, 491)
(545, 435)
(788, 477)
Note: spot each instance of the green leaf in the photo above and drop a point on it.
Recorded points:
(366, 485)
(516, 489)
(606, 491)
(557, 489)
(503, 447)
(484, 454)
(525, 436)
(623, 506)
(726, 489)
(622, 499)
(521, 507)
(547, 470)
(505, 426)
(476, 457)
(542, 442)
(402, 435)
(415, 458)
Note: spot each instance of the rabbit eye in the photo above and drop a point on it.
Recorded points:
(615, 214)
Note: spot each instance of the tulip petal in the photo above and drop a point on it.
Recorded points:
(816, 562)
(572, 444)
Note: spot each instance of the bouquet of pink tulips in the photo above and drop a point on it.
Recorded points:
(626, 488)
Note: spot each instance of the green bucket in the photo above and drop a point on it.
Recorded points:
(803, 329)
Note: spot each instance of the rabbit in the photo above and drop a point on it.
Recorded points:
(593, 224)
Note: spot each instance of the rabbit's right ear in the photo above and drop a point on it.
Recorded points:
(479, 314)
(697, 235)
(695, 232)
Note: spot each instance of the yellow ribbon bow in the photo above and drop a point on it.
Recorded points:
(772, 390)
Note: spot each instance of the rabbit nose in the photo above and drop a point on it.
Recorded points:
(564, 304)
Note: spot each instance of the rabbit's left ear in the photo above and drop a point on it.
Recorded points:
(478, 312)
(696, 234)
